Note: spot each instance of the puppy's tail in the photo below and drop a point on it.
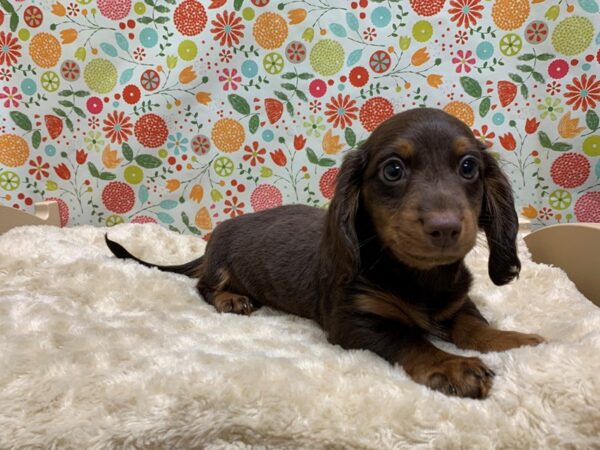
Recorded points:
(191, 269)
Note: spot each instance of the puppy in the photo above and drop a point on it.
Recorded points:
(383, 267)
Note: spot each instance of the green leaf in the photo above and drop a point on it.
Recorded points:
(471, 86)
(143, 193)
(145, 20)
(168, 204)
(66, 103)
(254, 123)
(164, 217)
(561, 146)
(127, 151)
(290, 108)
(526, 57)
(162, 19)
(525, 68)
(237, 4)
(524, 91)
(350, 137)
(149, 2)
(306, 76)
(93, 170)
(21, 120)
(36, 138)
(312, 157)
(591, 120)
(69, 124)
(326, 162)
(301, 95)
(107, 176)
(239, 104)
(7, 6)
(288, 86)
(544, 140)
(59, 112)
(162, 9)
(484, 106)
(65, 93)
(148, 161)
(281, 96)
(185, 219)
(289, 76)
(545, 56)
(14, 22)
(538, 77)
(515, 77)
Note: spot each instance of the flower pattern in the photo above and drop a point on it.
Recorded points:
(190, 112)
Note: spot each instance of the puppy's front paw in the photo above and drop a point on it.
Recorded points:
(229, 302)
(461, 377)
(505, 340)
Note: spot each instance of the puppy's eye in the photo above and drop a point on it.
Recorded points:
(468, 168)
(393, 171)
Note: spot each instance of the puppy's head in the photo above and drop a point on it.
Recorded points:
(427, 185)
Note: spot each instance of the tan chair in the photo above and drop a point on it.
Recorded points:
(46, 213)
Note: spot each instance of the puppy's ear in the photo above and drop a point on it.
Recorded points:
(500, 222)
(340, 242)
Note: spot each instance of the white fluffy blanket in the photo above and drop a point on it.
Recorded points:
(100, 353)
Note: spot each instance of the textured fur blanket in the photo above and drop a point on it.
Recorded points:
(99, 353)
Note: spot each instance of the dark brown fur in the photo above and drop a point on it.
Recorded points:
(383, 266)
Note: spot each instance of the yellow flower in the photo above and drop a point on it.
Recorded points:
(434, 80)
(530, 212)
(331, 143)
(58, 9)
(196, 193)
(569, 128)
(109, 158)
(171, 61)
(420, 57)
(296, 16)
(203, 98)
(173, 184)
(404, 42)
(187, 75)
(69, 35)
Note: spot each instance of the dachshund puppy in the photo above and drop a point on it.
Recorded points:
(383, 267)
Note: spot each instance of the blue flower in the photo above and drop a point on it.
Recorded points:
(178, 143)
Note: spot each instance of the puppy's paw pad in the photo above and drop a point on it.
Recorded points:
(462, 377)
(227, 302)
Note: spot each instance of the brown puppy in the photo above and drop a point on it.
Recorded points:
(383, 266)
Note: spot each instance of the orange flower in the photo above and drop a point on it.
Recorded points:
(109, 158)
(187, 75)
(530, 212)
(331, 143)
(434, 80)
(58, 9)
(203, 98)
(196, 193)
(69, 35)
(569, 128)
(278, 157)
(296, 16)
(507, 140)
(202, 219)
(173, 184)
(420, 57)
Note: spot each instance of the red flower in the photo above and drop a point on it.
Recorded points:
(278, 157)
(228, 28)
(341, 111)
(465, 12)
(233, 208)
(531, 125)
(254, 154)
(508, 141)
(9, 49)
(118, 127)
(486, 135)
(38, 169)
(81, 156)
(63, 171)
(299, 142)
(583, 93)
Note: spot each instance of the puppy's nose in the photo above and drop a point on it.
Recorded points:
(443, 229)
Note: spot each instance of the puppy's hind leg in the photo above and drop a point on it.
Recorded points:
(215, 291)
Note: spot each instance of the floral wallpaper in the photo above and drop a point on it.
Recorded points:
(190, 112)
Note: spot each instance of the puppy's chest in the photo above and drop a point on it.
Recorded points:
(414, 306)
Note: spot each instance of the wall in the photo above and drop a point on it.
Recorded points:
(187, 113)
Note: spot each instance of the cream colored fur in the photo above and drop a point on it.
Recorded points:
(99, 353)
